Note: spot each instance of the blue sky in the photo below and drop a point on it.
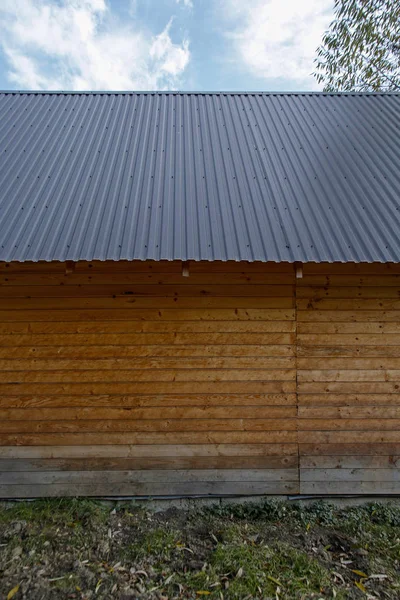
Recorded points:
(161, 44)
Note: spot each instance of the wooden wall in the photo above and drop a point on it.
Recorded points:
(348, 348)
(130, 379)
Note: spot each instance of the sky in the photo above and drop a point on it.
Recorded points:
(198, 45)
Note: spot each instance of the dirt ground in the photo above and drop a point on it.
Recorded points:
(84, 549)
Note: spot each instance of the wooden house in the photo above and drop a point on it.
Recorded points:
(199, 294)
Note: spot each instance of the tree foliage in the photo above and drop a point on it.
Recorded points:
(361, 49)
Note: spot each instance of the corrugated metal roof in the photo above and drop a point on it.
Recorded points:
(199, 176)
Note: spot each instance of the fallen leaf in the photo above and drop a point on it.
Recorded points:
(12, 592)
(239, 573)
(360, 573)
(141, 573)
(186, 549)
(203, 593)
(274, 580)
(360, 586)
(339, 576)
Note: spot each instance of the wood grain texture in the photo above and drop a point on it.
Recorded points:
(200, 401)
(350, 462)
(166, 476)
(149, 438)
(139, 451)
(348, 348)
(129, 379)
(203, 488)
(149, 463)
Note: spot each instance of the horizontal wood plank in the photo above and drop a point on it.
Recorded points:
(146, 438)
(149, 425)
(184, 412)
(348, 351)
(171, 450)
(356, 436)
(356, 399)
(348, 375)
(131, 278)
(359, 339)
(344, 314)
(350, 475)
(346, 488)
(143, 339)
(350, 462)
(345, 412)
(150, 489)
(151, 351)
(238, 311)
(152, 363)
(151, 266)
(101, 327)
(333, 448)
(171, 375)
(187, 288)
(148, 463)
(159, 476)
(165, 387)
(346, 424)
(142, 401)
(378, 327)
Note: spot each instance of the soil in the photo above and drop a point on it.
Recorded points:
(84, 549)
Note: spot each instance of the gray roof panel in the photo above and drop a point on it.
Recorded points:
(199, 176)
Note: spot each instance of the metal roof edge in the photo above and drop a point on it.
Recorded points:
(198, 93)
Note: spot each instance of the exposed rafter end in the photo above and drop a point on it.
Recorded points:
(185, 268)
(299, 270)
(69, 267)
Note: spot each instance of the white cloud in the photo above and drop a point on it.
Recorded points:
(277, 38)
(80, 44)
(188, 3)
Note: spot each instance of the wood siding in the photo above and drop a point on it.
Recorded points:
(130, 379)
(348, 359)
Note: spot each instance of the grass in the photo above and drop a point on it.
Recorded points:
(84, 549)
(51, 511)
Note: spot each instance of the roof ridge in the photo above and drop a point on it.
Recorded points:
(195, 93)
